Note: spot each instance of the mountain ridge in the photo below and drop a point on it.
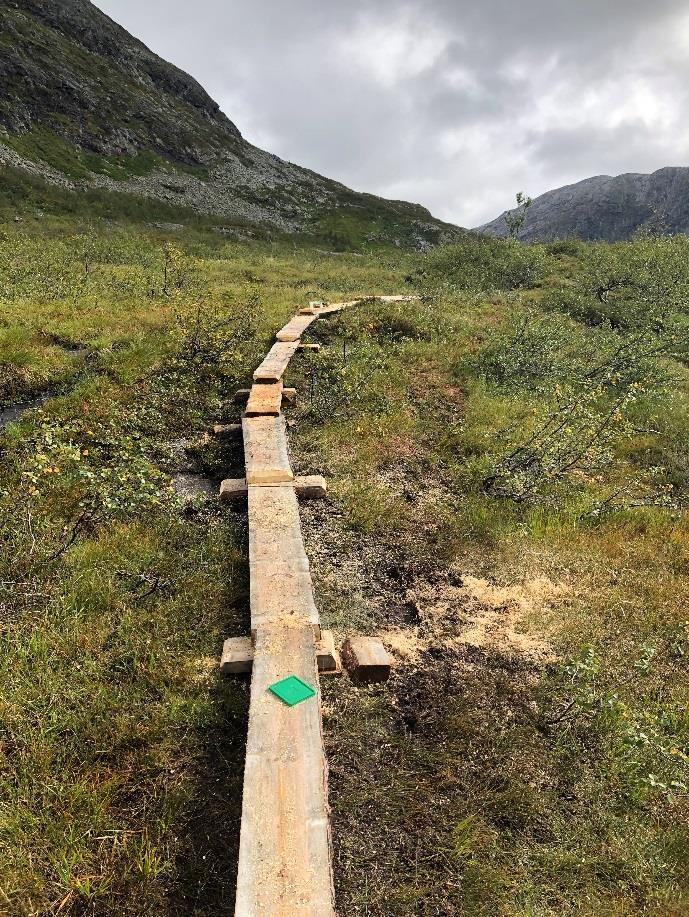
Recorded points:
(605, 207)
(86, 105)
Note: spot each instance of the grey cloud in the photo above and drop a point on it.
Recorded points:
(453, 103)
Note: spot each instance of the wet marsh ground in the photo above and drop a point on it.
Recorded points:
(529, 754)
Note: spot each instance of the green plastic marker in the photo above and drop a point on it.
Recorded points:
(292, 690)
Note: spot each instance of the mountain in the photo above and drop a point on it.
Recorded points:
(606, 208)
(84, 105)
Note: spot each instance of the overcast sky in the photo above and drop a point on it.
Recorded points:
(455, 104)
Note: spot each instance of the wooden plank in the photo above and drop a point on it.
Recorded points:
(274, 527)
(265, 399)
(265, 450)
(273, 367)
(284, 856)
(281, 590)
(233, 489)
(294, 329)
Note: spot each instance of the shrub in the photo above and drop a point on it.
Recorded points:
(641, 283)
(480, 264)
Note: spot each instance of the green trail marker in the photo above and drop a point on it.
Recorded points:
(292, 690)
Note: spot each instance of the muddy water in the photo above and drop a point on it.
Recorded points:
(14, 412)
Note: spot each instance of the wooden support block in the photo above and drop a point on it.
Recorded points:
(284, 852)
(327, 655)
(265, 400)
(265, 450)
(314, 347)
(233, 489)
(237, 656)
(289, 395)
(366, 660)
(226, 429)
(273, 367)
(294, 329)
(242, 395)
(311, 487)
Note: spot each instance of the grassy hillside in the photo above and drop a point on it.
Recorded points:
(509, 481)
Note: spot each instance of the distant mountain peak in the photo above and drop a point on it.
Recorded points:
(606, 207)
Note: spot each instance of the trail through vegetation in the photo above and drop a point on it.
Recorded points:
(507, 463)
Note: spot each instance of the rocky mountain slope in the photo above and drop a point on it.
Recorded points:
(606, 208)
(85, 105)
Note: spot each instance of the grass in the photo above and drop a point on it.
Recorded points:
(529, 755)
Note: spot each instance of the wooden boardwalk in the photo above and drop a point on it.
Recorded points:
(285, 867)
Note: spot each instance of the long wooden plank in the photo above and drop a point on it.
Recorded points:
(284, 857)
(273, 367)
(294, 328)
(265, 399)
(265, 450)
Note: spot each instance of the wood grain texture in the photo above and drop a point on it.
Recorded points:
(273, 367)
(284, 857)
(294, 328)
(265, 450)
(265, 399)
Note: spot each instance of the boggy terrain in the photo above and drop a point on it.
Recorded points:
(508, 483)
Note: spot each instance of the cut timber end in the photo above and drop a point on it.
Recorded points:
(366, 660)
(314, 347)
(233, 489)
(294, 329)
(265, 400)
(312, 487)
(289, 395)
(284, 853)
(242, 395)
(327, 655)
(273, 367)
(226, 429)
(238, 656)
(265, 450)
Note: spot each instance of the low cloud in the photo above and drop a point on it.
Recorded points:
(453, 104)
